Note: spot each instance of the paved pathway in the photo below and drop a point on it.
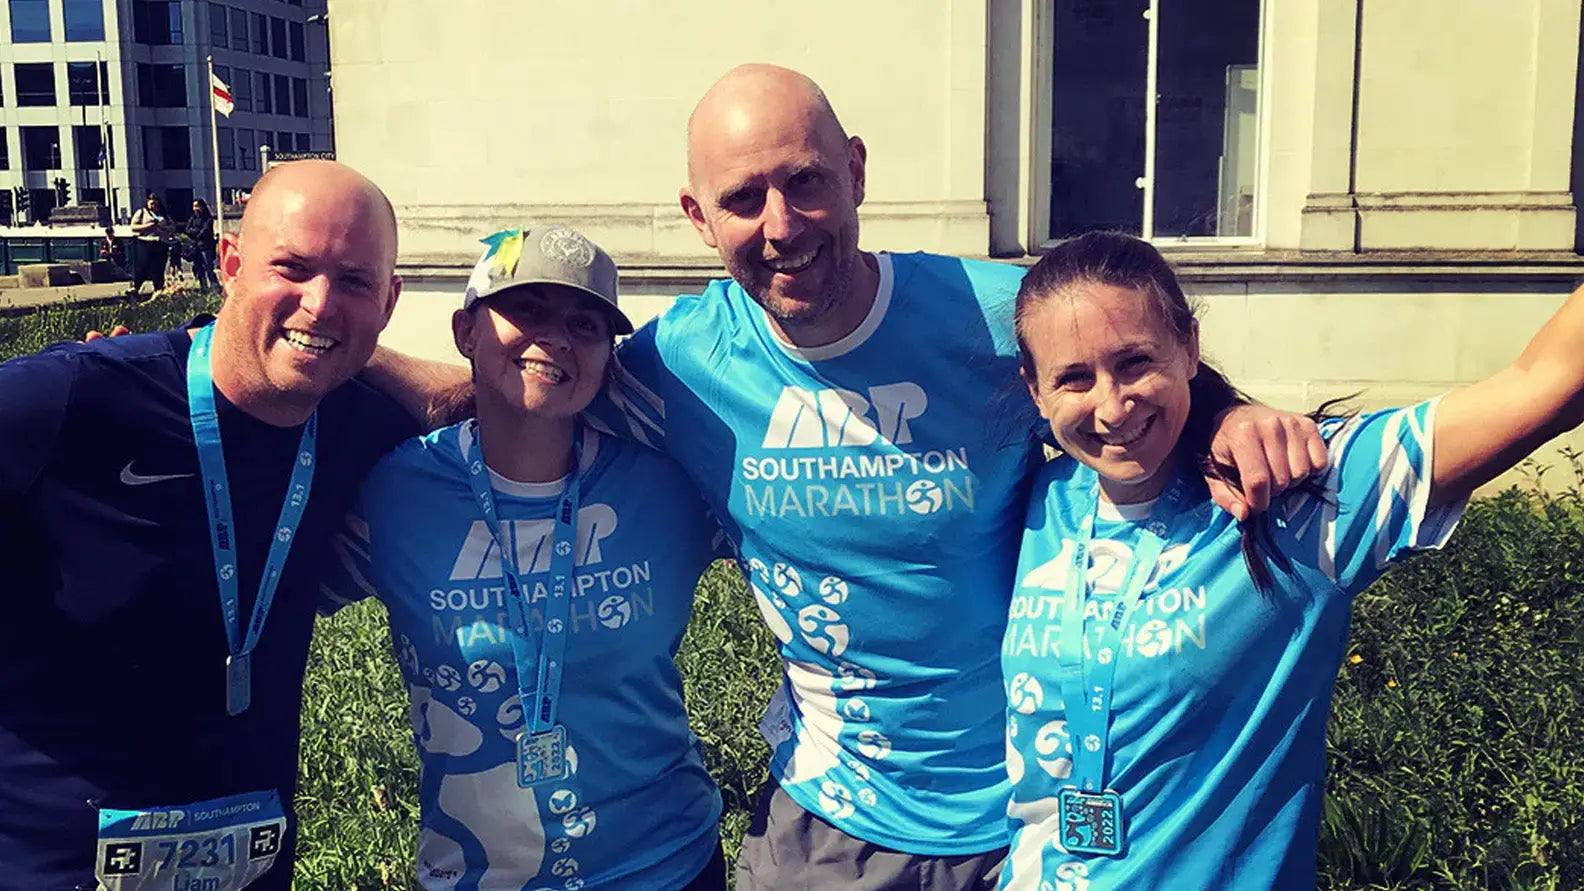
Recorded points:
(13, 299)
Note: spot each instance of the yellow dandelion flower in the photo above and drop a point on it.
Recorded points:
(1392, 684)
(1356, 659)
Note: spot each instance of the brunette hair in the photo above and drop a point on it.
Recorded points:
(1123, 261)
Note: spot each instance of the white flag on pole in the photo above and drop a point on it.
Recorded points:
(222, 95)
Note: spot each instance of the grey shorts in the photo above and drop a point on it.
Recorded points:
(789, 849)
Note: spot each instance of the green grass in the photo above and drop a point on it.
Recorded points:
(23, 334)
(1455, 744)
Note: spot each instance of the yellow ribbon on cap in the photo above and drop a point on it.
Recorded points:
(506, 248)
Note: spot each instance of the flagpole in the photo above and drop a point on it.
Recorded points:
(104, 136)
(214, 140)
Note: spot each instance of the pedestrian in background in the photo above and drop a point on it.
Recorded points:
(200, 232)
(151, 227)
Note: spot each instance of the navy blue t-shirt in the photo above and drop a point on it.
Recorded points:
(112, 656)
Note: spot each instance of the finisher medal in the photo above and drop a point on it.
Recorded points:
(239, 683)
(541, 757)
(1091, 822)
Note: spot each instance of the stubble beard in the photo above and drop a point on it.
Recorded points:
(792, 314)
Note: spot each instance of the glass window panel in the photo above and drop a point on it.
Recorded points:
(175, 148)
(300, 97)
(88, 143)
(299, 45)
(87, 87)
(35, 83)
(260, 31)
(1097, 116)
(282, 94)
(41, 148)
(5, 150)
(219, 25)
(1206, 132)
(162, 86)
(242, 90)
(173, 22)
(84, 19)
(227, 149)
(239, 30)
(284, 142)
(151, 149)
(278, 37)
(156, 23)
(30, 21)
(145, 84)
(261, 95)
(247, 151)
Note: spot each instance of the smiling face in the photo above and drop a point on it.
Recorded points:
(309, 285)
(1112, 380)
(537, 348)
(774, 187)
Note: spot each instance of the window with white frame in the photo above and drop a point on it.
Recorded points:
(1154, 114)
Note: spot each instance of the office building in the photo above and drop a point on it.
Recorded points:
(110, 98)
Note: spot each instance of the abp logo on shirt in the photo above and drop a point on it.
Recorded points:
(479, 556)
(815, 419)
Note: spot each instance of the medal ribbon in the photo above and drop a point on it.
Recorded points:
(540, 702)
(217, 495)
(1087, 685)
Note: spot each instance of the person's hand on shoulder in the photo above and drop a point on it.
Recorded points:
(1271, 450)
(117, 331)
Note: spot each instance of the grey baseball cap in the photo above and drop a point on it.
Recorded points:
(550, 255)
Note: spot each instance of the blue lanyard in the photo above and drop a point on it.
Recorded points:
(217, 494)
(540, 702)
(1087, 684)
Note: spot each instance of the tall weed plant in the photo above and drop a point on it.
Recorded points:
(1456, 743)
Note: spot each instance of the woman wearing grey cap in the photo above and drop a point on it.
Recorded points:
(539, 576)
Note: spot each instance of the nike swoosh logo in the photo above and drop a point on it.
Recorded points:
(137, 479)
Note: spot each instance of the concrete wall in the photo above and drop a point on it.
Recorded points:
(1418, 226)
(1460, 138)
(482, 114)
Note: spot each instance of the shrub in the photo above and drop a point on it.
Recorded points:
(1456, 735)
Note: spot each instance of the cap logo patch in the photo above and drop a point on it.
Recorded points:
(567, 247)
(507, 253)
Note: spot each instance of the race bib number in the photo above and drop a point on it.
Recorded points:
(223, 844)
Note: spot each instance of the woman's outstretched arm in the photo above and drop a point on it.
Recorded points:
(1487, 427)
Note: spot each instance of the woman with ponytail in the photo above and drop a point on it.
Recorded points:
(1169, 669)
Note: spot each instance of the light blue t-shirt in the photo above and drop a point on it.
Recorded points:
(639, 810)
(1217, 740)
(873, 487)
